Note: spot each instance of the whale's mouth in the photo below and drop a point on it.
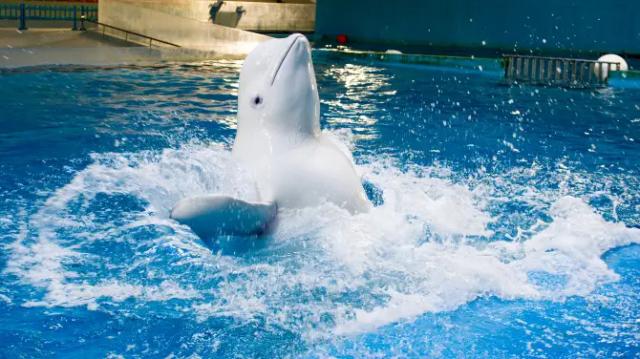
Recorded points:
(294, 40)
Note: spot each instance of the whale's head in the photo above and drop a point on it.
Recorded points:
(278, 90)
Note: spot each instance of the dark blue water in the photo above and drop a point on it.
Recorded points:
(506, 223)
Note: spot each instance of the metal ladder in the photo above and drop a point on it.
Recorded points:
(557, 71)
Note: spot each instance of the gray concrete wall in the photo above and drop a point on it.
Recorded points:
(258, 16)
(267, 17)
(159, 22)
(505, 25)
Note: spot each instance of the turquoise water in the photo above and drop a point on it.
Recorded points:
(505, 226)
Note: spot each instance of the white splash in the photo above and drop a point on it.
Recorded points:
(428, 248)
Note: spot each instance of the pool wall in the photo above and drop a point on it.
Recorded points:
(494, 25)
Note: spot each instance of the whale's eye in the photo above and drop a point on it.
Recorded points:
(257, 100)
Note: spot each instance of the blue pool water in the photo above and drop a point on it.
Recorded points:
(506, 223)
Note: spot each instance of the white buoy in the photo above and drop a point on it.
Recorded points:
(621, 65)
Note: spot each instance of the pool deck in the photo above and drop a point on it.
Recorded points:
(58, 45)
(461, 62)
(11, 38)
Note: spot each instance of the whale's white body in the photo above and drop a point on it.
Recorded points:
(279, 140)
(313, 172)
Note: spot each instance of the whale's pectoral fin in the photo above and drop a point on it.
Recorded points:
(211, 215)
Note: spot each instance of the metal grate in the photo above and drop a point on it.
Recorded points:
(557, 71)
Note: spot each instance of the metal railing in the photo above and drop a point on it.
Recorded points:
(82, 13)
(24, 12)
(56, 12)
(127, 34)
(557, 71)
(9, 11)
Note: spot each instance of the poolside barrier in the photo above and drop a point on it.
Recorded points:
(127, 33)
(557, 71)
(23, 12)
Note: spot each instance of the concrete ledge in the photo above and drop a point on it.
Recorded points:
(100, 56)
(28, 57)
(460, 62)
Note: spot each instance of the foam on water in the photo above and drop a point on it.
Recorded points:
(427, 248)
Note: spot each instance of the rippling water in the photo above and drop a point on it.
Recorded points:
(506, 219)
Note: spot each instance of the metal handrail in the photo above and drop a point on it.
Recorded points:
(24, 12)
(127, 33)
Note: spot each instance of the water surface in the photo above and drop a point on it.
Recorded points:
(506, 219)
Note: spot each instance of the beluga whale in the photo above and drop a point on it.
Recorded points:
(278, 139)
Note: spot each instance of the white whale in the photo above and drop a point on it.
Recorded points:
(278, 138)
